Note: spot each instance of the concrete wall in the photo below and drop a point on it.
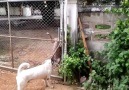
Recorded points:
(89, 21)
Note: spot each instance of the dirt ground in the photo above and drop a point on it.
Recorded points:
(8, 82)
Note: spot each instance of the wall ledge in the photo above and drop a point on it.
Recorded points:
(72, 1)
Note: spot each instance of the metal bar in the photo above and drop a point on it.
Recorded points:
(3, 18)
(11, 49)
(62, 25)
(65, 26)
(21, 17)
(15, 70)
(24, 0)
(8, 68)
(61, 19)
(25, 38)
(65, 31)
(28, 17)
(59, 33)
(57, 77)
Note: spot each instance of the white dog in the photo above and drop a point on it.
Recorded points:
(39, 72)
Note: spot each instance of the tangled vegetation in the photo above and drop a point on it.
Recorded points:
(114, 73)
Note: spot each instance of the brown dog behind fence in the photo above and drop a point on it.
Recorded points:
(56, 57)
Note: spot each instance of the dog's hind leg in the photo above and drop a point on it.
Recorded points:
(21, 84)
(48, 84)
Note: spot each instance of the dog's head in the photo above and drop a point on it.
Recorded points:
(55, 62)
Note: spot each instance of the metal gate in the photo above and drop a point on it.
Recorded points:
(24, 25)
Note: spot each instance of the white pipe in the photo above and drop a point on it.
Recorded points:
(65, 26)
(65, 31)
(61, 26)
(61, 17)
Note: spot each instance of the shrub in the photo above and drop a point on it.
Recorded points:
(75, 64)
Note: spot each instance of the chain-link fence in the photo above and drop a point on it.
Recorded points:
(23, 28)
(35, 51)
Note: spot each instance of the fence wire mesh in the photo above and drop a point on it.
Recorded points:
(4, 27)
(23, 32)
(32, 51)
(5, 51)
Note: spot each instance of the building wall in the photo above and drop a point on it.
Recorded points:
(90, 20)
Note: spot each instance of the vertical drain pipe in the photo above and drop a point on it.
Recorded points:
(62, 26)
(65, 31)
(10, 47)
(65, 26)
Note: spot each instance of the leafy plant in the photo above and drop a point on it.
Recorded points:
(114, 74)
(118, 49)
(100, 77)
(75, 64)
(123, 8)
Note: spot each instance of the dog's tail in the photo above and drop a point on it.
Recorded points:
(22, 67)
